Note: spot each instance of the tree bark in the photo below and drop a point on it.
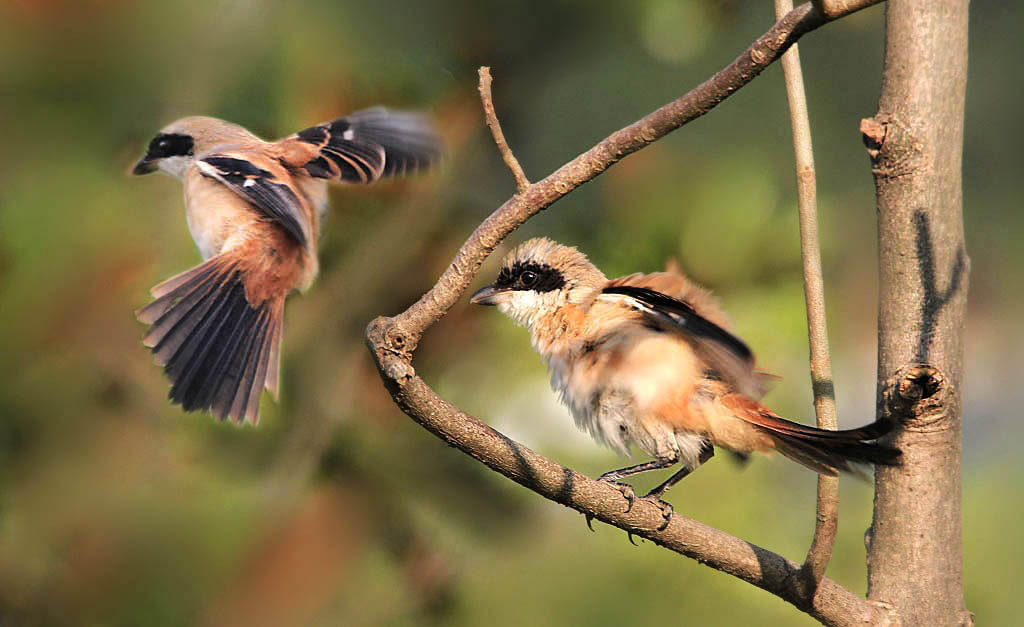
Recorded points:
(915, 142)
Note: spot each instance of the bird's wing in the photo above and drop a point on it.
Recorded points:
(725, 355)
(363, 147)
(673, 283)
(265, 183)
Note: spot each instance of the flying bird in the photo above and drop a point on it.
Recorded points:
(647, 359)
(254, 209)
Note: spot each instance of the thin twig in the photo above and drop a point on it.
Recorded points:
(827, 517)
(392, 342)
(522, 183)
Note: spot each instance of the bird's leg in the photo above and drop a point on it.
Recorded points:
(613, 476)
(706, 453)
(655, 464)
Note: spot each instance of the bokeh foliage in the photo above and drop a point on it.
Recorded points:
(117, 509)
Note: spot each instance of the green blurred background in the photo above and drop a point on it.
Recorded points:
(118, 509)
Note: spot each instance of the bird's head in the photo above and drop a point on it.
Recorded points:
(538, 278)
(174, 148)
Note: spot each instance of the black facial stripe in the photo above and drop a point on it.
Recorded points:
(169, 145)
(548, 278)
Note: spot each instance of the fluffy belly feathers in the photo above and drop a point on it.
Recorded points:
(627, 407)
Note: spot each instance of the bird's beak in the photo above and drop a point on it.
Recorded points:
(144, 166)
(489, 295)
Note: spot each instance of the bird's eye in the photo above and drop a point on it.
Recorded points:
(170, 145)
(528, 278)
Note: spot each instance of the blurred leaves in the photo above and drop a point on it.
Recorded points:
(117, 509)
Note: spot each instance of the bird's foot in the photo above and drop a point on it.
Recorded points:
(624, 488)
(666, 509)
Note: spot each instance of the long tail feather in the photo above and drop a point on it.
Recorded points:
(216, 347)
(822, 450)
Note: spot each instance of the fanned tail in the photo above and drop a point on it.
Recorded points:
(218, 350)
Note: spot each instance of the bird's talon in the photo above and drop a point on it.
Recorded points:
(630, 497)
(629, 534)
(624, 488)
(590, 519)
(666, 508)
(666, 512)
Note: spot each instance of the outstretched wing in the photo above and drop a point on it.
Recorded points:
(364, 146)
(265, 183)
(724, 354)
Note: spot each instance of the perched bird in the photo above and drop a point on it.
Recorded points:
(254, 209)
(646, 359)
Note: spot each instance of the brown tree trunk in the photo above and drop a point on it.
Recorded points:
(915, 141)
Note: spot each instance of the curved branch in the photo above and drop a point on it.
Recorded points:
(832, 604)
(393, 340)
(827, 515)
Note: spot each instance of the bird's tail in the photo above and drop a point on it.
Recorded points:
(217, 348)
(829, 452)
(822, 450)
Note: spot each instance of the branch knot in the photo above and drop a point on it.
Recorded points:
(917, 395)
(893, 146)
(391, 347)
(873, 133)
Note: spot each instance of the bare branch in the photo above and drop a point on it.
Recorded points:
(832, 604)
(838, 8)
(499, 137)
(393, 340)
(827, 516)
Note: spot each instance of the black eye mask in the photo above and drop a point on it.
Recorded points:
(524, 276)
(169, 145)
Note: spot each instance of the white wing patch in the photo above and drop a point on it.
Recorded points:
(624, 300)
(207, 169)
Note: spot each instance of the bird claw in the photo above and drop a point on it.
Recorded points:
(666, 511)
(590, 519)
(624, 488)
